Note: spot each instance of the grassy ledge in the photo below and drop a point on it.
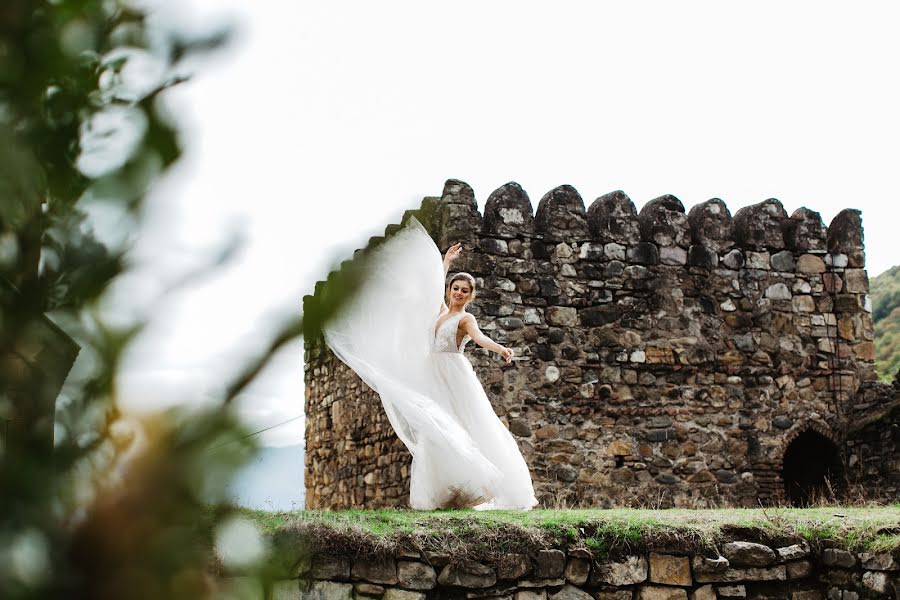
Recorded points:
(487, 536)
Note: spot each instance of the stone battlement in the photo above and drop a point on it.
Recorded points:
(663, 356)
(709, 227)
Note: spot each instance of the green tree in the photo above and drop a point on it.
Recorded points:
(885, 293)
(115, 509)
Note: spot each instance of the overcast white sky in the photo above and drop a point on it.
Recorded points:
(323, 121)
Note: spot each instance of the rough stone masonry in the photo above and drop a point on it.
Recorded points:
(663, 357)
(744, 570)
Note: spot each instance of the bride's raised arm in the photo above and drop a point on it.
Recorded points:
(470, 326)
(451, 255)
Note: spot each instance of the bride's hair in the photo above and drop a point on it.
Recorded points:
(461, 276)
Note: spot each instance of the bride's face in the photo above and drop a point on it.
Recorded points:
(460, 292)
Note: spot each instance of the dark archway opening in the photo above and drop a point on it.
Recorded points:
(811, 469)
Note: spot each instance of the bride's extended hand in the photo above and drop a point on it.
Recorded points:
(507, 355)
(452, 253)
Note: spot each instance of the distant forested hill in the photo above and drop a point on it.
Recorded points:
(885, 292)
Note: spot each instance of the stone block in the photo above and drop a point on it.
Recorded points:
(335, 569)
(398, 594)
(733, 259)
(833, 557)
(778, 291)
(658, 355)
(643, 253)
(799, 569)
(748, 554)
(494, 246)
(577, 571)
(415, 575)
(620, 448)
(367, 590)
(804, 304)
(549, 564)
(630, 571)
(513, 566)
(649, 592)
(728, 305)
(877, 581)
(673, 255)
(667, 479)
(845, 328)
(783, 261)
(563, 250)
(878, 562)
(562, 316)
(832, 282)
(319, 590)
(864, 350)
(856, 281)
(547, 432)
(732, 591)
(551, 373)
(758, 260)
(778, 573)
(706, 592)
(375, 570)
(669, 569)
(468, 574)
(837, 260)
(700, 256)
(437, 559)
(782, 422)
(520, 427)
(531, 595)
(570, 592)
(597, 316)
(614, 251)
(810, 263)
(849, 303)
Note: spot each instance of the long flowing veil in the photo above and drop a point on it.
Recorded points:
(384, 333)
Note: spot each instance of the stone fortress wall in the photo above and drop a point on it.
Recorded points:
(663, 357)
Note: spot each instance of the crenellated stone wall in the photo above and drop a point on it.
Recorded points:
(663, 357)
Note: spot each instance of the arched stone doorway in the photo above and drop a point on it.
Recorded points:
(811, 469)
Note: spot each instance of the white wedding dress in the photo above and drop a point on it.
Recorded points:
(462, 453)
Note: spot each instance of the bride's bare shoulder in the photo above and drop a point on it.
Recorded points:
(468, 319)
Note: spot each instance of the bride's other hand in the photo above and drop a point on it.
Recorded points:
(453, 253)
(507, 355)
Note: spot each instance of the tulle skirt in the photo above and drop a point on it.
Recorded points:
(463, 397)
(463, 456)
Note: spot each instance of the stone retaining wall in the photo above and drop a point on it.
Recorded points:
(663, 357)
(744, 570)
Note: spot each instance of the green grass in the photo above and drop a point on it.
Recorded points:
(488, 535)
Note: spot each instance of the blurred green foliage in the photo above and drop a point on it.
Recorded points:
(885, 292)
(94, 503)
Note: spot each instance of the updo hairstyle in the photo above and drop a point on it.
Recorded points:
(461, 276)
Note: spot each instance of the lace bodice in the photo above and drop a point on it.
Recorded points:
(445, 336)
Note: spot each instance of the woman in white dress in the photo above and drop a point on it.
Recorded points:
(400, 336)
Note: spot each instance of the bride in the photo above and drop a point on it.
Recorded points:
(406, 342)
